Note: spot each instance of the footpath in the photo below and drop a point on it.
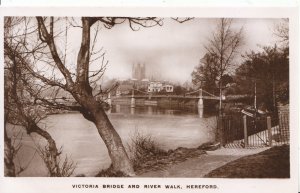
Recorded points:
(203, 164)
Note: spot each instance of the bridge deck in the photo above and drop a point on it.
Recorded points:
(168, 96)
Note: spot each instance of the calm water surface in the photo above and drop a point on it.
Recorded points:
(81, 142)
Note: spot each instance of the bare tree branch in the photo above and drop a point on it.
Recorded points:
(48, 38)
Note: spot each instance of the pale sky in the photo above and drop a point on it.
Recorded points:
(170, 52)
(174, 49)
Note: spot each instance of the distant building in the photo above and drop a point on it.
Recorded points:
(155, 86)
(138, 71)
(143, 85)
(168, 88)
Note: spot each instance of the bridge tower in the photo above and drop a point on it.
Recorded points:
(200, 104)
(132, 103)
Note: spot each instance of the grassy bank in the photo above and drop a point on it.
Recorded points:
(272, 163)
(157, 161)
(147, 156)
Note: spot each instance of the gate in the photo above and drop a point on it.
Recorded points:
(257, 131)
(231, 133)
(238, 131)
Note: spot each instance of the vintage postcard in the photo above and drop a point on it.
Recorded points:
(149, 99)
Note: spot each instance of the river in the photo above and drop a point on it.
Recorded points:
(81, 142)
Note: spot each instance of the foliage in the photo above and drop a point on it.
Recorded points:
(269, 70)
(205, 74)
(179, 90)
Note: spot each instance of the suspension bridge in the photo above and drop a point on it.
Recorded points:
(197, 94)
(142, 98)
(189, 95)
(150, 98)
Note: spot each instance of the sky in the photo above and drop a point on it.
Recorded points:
(172, 51)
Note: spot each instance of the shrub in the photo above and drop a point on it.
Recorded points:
(109, 172)
(143, 148)
(57, 166)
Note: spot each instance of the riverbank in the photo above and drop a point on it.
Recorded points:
(200, 166)
(212, 161)
(155, 160)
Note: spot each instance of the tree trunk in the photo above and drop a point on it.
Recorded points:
(9, 150)
(112, 140)
(82, 92)
(49, 153)
(9, 154)
(94, 112)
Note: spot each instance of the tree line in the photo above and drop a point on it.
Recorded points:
(261, 74)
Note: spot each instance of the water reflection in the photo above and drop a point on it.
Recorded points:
(149, 110)
(117, 108)
(132, 110)
(200, 112)
(156, 110)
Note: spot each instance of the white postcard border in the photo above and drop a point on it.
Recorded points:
(63, 185)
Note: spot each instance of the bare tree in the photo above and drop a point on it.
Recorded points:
(281, 30)
(42, 54)
(79, 86)
(20, 107)
(21, 111)
(222, 48)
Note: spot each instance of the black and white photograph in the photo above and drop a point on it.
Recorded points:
(138, 97)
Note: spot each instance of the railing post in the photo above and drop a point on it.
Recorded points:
(245, 131)
(229, 127)
(220, 134)
(269, 126)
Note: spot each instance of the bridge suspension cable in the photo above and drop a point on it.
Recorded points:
(202, 91)
(185, 93)
(141, 91)
(209, 93)
(193, 92)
